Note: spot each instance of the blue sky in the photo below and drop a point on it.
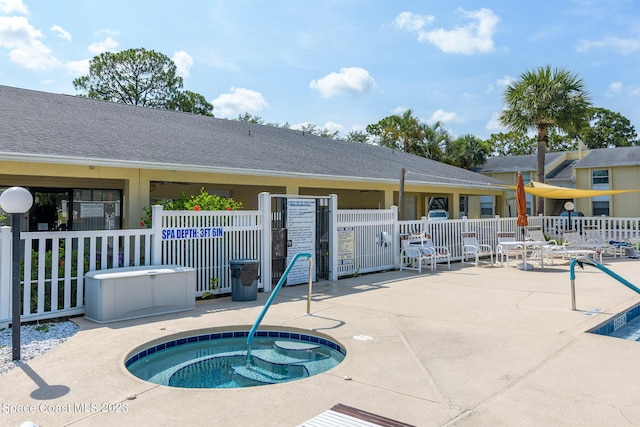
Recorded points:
(340, 64)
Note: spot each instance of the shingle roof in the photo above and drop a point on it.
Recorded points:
(77, 129)
(607, 157)
(563, 171)
(523, 163)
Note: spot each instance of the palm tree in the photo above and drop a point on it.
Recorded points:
(545, 99)
(402, 133)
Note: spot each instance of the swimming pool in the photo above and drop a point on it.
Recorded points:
(218, 359)
(625, 325)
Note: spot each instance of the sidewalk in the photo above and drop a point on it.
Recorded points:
(474, 346)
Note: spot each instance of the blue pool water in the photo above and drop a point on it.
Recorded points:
(219, 360)
(625, 325)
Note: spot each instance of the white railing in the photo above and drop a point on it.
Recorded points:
(54, 264)
(207, 241)
(365, 241)
(361, 232)
(619, 229)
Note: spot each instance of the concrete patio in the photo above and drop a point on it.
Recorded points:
(474, 346)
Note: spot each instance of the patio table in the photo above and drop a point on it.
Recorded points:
(527, 245)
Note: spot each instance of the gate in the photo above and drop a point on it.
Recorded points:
(291, 229)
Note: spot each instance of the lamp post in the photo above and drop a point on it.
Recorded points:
(569, 206)
(15, 201)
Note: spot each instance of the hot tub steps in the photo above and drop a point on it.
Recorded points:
(260, 372)
(300, 350)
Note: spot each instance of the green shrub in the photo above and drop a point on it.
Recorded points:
(203, 201)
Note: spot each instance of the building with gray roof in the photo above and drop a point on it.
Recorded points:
(56, 144)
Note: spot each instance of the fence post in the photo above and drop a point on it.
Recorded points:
(156, 225)
(5, 276)
(465, 224)
(333, 237)
(264, 206)
(396, 237)
(424, 226)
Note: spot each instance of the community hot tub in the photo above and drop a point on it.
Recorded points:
(132, 292)
(220, 357)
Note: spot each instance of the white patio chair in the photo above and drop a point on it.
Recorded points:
(535, 234)
(439, 253)
(596, 241)
(412, 257)
(473, 249)
(505, 250)
(574, 245)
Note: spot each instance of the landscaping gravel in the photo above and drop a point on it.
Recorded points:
(34, 340)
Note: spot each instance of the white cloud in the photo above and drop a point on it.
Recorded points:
(23, 42)
(622, 46)
(615, 87)
(399, 110)
(494, 123)
(353, 80)
(333, 127)
(62, 33)
(78, 68)
(412, 22)
(505, 81)
(500, 84)
(444, 117)
(106, 45)
(183, 62)
(475, 37)
(13, 6)
(299, 126)
(237, 102)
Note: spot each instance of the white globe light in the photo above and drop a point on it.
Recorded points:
(16, 200)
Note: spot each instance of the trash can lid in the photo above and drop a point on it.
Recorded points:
(243, 261)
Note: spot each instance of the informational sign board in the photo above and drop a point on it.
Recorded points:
(91, 210)
(346, 246)
(301, 226)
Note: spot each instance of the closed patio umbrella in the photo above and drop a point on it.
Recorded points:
(521, 202)
(521, 205)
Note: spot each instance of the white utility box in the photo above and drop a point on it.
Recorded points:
(132, 292)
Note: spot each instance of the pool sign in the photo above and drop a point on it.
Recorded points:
(346, 246)
(301, 229)
(191, 233)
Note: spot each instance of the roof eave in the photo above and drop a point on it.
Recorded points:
(84, 161)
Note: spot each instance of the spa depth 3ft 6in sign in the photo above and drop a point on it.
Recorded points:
(191, 233)
(301, 229)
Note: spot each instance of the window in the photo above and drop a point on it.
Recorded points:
(486, 206)
(600, 181)
(600, 176)
(97, 209)
(600, 207)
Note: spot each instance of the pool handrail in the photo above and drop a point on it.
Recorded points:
(586, 260)
(273, 295)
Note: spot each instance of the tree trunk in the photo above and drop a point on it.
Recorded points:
(543, 137)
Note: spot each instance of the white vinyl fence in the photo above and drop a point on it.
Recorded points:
(364, 241)
(207, 241)
(54, 264)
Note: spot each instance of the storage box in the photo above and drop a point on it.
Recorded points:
(132, 292)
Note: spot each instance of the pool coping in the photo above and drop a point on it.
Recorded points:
(232, 332)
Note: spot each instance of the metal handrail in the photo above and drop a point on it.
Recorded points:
(275, 292)
(585, 260)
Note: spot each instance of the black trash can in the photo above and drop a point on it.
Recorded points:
(244, 279)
